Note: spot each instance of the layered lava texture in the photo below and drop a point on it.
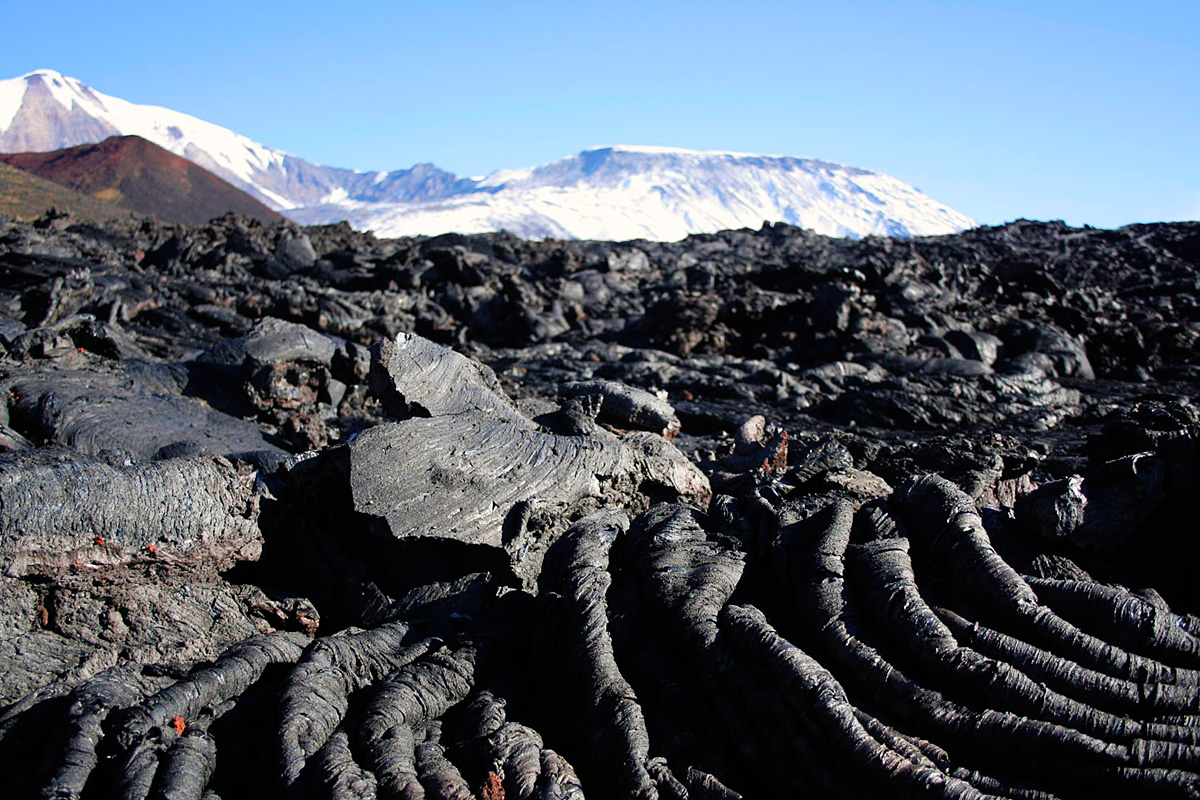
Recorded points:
(298, 512)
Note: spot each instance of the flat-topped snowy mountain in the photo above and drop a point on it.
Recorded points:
(604, 193)
(663, 193)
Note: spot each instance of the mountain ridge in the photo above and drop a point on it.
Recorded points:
(609, 192)
(136, 174)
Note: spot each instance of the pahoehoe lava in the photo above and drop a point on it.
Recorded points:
(296, 512)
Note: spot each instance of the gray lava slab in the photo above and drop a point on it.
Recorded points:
(478, 472)
(270, 342)
(100, 410)
(58, 511)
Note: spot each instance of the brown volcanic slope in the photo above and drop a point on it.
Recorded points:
(25, 195)
(136, 174)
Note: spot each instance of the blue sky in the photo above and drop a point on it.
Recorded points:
(1083, 111)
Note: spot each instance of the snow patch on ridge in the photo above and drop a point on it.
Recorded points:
(12, 95)
(650, 149)
(338, 195)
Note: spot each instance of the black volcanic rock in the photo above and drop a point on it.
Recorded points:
(756, 514)
(89, 411)
(481, 473)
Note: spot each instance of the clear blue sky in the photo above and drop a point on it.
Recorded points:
(1083, 111)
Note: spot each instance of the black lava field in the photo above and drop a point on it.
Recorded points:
(296, 512)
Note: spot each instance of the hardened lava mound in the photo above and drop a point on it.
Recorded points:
(295, 512)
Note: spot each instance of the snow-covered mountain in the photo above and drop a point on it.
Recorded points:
(45, 110)
(664, 193)
(604, 193)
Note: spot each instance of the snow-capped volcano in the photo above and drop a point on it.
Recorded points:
(45, 110)
(666, 193)
(620, 192)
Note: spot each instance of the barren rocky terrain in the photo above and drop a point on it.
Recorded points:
(132, 173)
(299, 512)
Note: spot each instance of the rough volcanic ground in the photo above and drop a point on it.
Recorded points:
(296, 512)
(23, 194)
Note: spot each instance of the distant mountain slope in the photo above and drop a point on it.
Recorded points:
(45, 110)
(25, 195)
(602, 193)
(133, 173)
(666, 194)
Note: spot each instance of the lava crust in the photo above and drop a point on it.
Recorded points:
(298, 512)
